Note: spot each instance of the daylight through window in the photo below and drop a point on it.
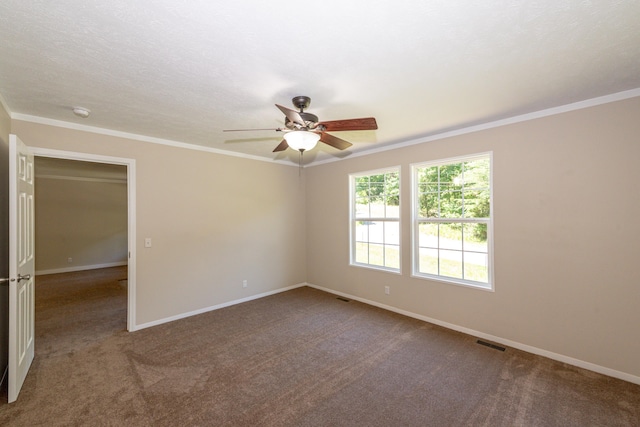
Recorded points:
(375, 219)
(452, 227)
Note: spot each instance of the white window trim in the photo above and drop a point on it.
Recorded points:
(352, 219)
(415, 253)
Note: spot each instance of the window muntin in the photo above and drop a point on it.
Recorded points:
(452, 220)
(375, 219)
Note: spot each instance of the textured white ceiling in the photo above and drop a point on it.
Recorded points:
(183, 70)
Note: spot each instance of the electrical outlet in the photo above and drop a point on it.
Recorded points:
(69, 260)
(387, 290)
(244, 284)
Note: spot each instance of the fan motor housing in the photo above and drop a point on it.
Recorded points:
(311, 120)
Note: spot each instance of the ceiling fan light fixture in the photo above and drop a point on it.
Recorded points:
(301, 140)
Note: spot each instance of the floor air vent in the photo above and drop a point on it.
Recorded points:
(343, 299)
(493, 346)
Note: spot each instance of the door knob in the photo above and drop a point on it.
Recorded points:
(21, 277)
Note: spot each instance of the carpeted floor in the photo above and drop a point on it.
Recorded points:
(299, 358)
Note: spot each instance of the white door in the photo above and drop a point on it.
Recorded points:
(21, 264)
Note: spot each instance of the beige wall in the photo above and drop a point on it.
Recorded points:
(567, 236)
(215, 220)
(85, 220)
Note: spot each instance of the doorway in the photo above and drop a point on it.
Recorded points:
(82, 169)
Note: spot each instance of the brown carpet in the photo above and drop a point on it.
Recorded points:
(299, 358)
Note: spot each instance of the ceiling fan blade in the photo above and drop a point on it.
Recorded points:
(367, 123)
(282, 146)
(334, 141)
(292, 115)
(245, 130)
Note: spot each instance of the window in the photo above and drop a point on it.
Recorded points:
(375, 219)
(452, 229)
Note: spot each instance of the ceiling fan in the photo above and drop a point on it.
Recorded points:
(304, 130)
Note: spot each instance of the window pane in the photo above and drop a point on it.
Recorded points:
(475, 237)
(451, 204)
(428, 262)
(376, 190)
(472, 201)
(362, 231)
(362, 190)
(392, 210)
(428, 187)
(362, 181)
(376, 232)
(485, 205)
(362, 208)
(362, 252)
(377, 209)
(376, 254)
(476, 267)
(476, 174)
(451, 177)
(428, 205)
(450, 236)
(392, 233)
(392, 256)
(428, 235)
(428, 175)
(476, 204)
(451, 263)
(392, 194)
(392, 188)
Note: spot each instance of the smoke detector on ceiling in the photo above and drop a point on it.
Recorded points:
(81, 112)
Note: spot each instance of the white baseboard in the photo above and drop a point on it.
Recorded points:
(524, 347)
(81, 268)
(214, 307)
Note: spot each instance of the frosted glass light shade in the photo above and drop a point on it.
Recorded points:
(301, 140)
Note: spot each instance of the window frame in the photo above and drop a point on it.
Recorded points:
(353, 218)
(416, 220)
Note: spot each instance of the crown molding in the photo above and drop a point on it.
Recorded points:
(606, 99)
(138, 137)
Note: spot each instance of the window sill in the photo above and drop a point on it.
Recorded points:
(458, 282)
(376, 267)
